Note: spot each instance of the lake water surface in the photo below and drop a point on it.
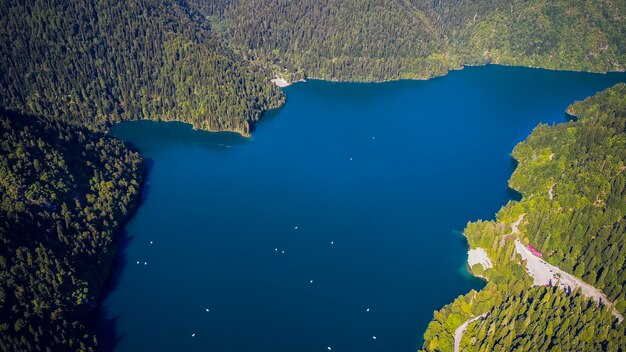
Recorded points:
(379, 180)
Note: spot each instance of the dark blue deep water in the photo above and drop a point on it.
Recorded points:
(390, 173)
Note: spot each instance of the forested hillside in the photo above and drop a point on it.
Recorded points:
(572, 176)
(70, 68)
(545, 319)
(345, 40)
(100, 61)
(64, 191)
(373, 40)
(565, 35)
(573, 212)
(67, 70)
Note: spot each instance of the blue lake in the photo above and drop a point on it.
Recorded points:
(379, 180)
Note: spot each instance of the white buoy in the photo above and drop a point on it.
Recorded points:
(350, 158)
(367, 310)
(373, 137)
(137, 262)
(374, 337)
(311, 281)
(295, 228)
(283, 252)
(329, 348)
(145, 263)
(332, 242)
(194, 334)
(275, 249)
(207, 309)
(151, 242)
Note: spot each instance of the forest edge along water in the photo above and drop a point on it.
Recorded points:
(337, 221)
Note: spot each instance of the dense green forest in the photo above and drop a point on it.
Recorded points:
(545, 319)
(101, 61)
(573, 210)
(373, 40)
(64, 191)
(581, 227)
(68, 69)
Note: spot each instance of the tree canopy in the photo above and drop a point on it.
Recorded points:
(94, 62)
(374, 40)
(68, 69)
(64, 191)
(574, 207)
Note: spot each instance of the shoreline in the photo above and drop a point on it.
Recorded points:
(96, 320)
(539, 270)
(193, 127)
(478, 255)
(453, 69)
(278, 80)
(282, 83)
(253, 123)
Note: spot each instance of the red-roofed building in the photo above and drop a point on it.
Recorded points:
(533, 251)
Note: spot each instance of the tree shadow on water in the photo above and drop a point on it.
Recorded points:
(267, 117)
(511, 193)
(99, 320)
(145, 190)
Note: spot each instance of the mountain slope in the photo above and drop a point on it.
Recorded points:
(373, 40)
(573, 211)
(99, 61)
(64, 192)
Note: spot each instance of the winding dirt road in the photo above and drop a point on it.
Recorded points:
(544, 273)
(458, 333)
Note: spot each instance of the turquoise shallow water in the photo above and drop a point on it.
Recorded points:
(389, 173)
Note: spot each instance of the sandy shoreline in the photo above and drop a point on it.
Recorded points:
(542, 273)
(478, 256)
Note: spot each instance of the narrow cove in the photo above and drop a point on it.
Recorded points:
(378, 179)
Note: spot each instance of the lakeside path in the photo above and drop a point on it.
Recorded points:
(458, 333)
(546, 274)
